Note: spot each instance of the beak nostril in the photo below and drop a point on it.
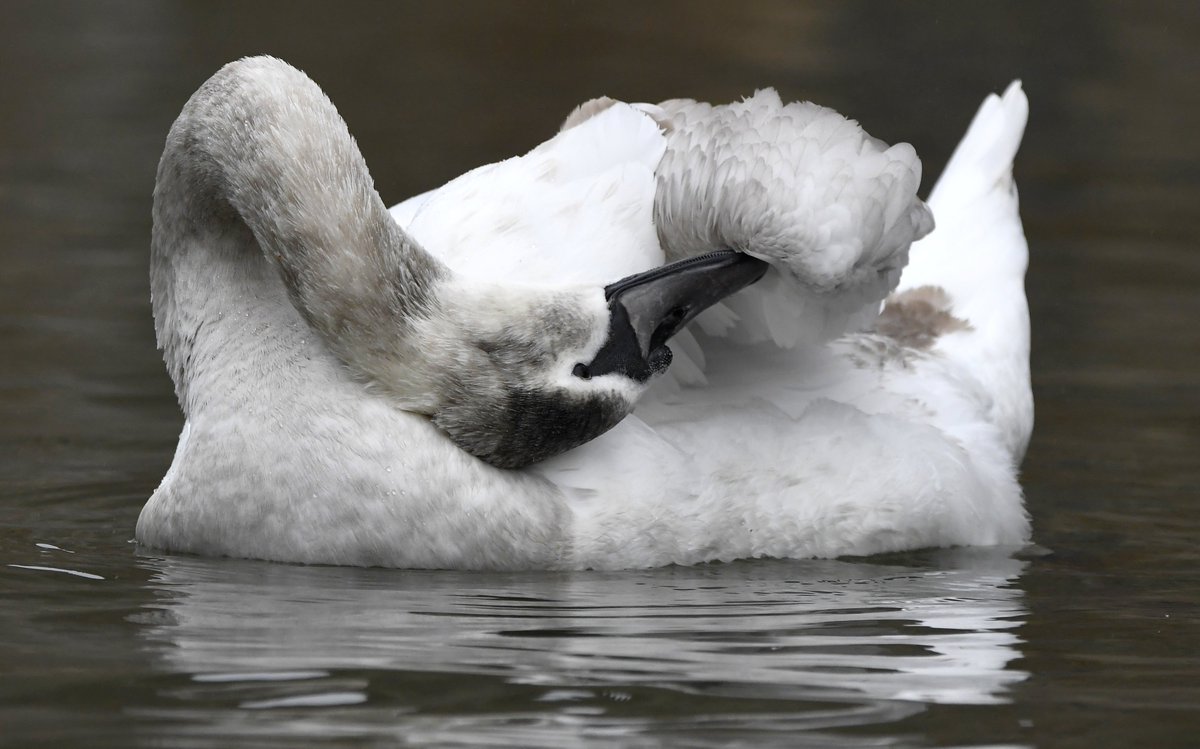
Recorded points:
(582, 372)
(660, 359)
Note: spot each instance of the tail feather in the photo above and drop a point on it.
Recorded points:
(978, 255)
(985, 155)
(978, 239)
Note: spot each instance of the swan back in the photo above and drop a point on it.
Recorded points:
(575, 209)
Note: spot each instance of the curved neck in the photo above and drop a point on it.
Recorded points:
(260, 183)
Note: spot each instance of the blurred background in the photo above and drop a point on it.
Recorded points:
(1107, 616)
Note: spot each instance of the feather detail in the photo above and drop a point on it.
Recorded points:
(802, 187)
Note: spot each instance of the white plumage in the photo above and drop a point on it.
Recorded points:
(791, 424)
(833, 209)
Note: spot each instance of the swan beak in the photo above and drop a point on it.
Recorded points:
(648, 308)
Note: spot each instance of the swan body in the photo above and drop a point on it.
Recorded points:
(311, 337)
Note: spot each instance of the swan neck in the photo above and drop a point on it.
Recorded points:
(262, 190)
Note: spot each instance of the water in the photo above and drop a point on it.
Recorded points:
(1092, 641)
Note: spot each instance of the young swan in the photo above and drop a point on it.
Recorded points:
(260, 179)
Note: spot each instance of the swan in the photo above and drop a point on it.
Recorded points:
(479, 377)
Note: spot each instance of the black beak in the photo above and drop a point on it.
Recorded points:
(648, 308)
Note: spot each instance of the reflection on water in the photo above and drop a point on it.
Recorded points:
(587, 655)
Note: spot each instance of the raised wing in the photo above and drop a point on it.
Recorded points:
(831, 208)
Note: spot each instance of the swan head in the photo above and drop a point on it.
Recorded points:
(515, 376)
(259, 168)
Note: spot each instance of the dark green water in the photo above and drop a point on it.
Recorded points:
(1096, 644)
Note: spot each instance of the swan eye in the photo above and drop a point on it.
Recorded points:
(582, 372)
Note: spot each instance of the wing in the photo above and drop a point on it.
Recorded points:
(831, 208)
